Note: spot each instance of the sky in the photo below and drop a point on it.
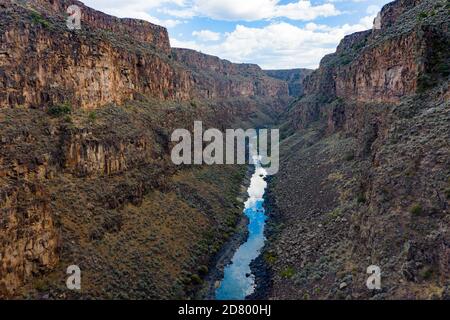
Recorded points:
(275, 34)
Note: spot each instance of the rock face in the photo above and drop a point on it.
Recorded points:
(29, 237)
(139, 30)
(367, 165)
(367, 69)
(109, 61)
(402, 59)
(86, 155)
(217, 78)
(392, 11)
(384, 65)
(293, 77)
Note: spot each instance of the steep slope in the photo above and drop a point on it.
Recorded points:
(294, 78)
(216, 78)
(245, 86)
(366, 160)
(85, 170)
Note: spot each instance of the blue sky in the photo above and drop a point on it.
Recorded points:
(276, 34)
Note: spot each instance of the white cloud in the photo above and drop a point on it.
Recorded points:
(253, 10)
(373, 9)
(357, 1)
(279, 45)
(228, 10)
(207, 35)
(137, 9)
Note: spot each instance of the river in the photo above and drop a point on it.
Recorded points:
(238, 281)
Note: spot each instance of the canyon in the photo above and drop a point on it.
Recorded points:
(86, 176)
(366, 158)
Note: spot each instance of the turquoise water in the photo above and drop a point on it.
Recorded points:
(238, 282)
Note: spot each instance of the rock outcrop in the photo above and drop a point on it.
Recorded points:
(217, 78)
(108, 61)
(29, 238)
(401, 59)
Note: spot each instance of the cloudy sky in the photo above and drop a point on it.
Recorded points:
(276, 34)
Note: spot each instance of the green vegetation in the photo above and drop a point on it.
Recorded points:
(416, 209)
(68, 119)
(203, 270)
(335, 213)
(270, 258)
(447, 193)
(60, 110)
(41, 285)
(423, 15)
(195, 279)
(361, 198)
(437, 64)
(38, 19)
(288, 273)
(92, 116)
(426, 273)
(346, 59)
(165, 93)
(350, 156)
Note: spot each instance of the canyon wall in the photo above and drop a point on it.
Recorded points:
(217, 78)
(87, 68)
(403, 58)
(110, 60)
(294, 78)
(139, 30)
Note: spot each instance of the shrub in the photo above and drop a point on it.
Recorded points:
(447, 193)
(195, 279)
(361, 198)
(68, 119)
(41, 285)
(203, 270)
(60, 110)
(38, 19)
(166, 93)
(426, 273)
(335, 213)
(92, 116)
(416, 209)
(270, 258)
(288, 273)
(349, 156)
(423, 15)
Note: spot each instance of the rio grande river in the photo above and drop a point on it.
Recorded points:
(238, 281)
